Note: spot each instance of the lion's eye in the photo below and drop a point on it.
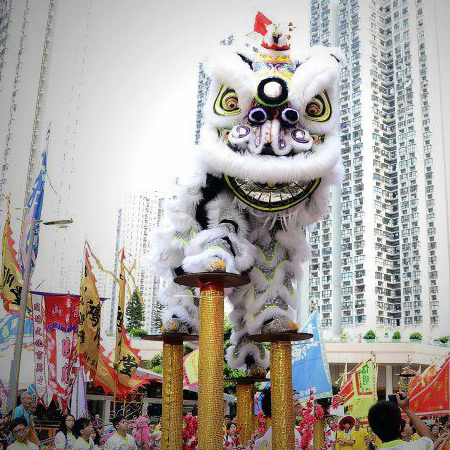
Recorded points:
(226, 103)
(319, 108)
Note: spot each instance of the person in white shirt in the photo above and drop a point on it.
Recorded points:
(65, 439)
(385, 420)
(120, 440)
(19, 429)
(265, 443)
(83, 430)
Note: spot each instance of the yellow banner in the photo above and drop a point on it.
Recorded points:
(360, 391)
(190, 369)
(126, 360)
(11, 284)
(89, 319)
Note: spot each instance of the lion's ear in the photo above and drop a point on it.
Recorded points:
(232, 88)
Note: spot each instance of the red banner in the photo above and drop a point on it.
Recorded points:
(430, 393)
(61, 325)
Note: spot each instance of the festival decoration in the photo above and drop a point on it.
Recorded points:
(89, 318)
(11, 284)
(61, 324)
(40, 351)
(126, 359)
(269, 152)
(190, 369)
(359, 390)
(310, 369)
(430, 392)
(8, 332)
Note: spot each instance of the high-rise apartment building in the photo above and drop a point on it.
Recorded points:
(25, 35)
(141, 214)
(380, 259)
(42, 60)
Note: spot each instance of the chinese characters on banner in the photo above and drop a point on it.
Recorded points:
(61, 325)
(40, 350)
(126, 359)
(359, 391)
(89, 319)
(430, 392)
(11, 283)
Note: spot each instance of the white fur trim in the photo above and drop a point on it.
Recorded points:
(227, 68)
(247, 349)
(255, 323)
(274, 169)
(197, 263)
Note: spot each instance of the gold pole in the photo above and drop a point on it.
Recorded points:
(244, 393)
(210, 368)
(172, 397)
(282, 403)
(319, 433)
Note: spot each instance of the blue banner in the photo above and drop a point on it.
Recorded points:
(8, 331)
(310, 370)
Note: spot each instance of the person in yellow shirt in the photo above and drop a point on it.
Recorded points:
(359, 435)
(345, 439)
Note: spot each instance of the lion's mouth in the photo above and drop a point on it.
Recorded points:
(271, 197)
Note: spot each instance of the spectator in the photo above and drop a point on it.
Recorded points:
(120, 439)
(226, 421)
(142, 433)
(385, 419)
(19, 429)
(65, 439)
(155, 437)
(98, 422)
(406, 431)
(25, 410)
(330, 434)
(346, 435)
(83, 430)
(359, 434)
(96, 438)
(435, 430)
(231, 440)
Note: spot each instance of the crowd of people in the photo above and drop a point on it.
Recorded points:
(390, 425)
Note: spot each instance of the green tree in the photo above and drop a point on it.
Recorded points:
(155, 364)
(135, 313)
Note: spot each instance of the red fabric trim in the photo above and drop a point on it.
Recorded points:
(275, 47)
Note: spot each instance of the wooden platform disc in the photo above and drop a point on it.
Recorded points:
(279, 337)
(202, 278)
(171, 338)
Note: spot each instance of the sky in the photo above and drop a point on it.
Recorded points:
(138, 105)
(136, 68)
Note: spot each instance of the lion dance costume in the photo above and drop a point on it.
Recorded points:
(269, 152)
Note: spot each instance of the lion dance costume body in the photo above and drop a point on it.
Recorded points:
(269, 152)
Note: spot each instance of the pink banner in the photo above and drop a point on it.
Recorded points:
(40, 350)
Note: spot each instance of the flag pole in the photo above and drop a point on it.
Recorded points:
(15, 363)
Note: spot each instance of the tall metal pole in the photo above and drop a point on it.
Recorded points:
(15, 364)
